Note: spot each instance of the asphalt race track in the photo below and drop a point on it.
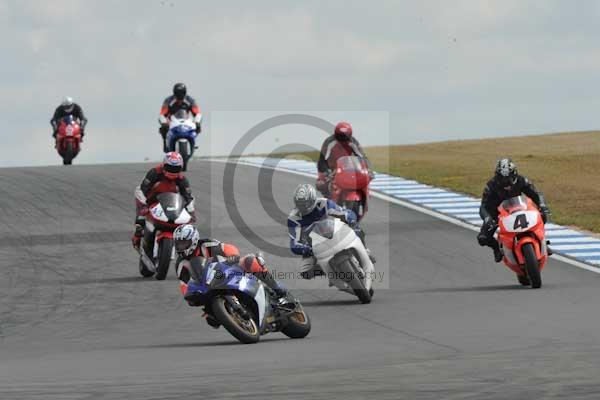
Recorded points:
(78, 322)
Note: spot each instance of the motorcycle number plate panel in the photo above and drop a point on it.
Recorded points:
(69, 131)
(521, 221)
(210, 274)
(158, 213)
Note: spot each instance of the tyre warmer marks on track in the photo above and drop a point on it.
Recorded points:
(563, 240)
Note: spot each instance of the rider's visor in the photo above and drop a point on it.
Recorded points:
(182, 245)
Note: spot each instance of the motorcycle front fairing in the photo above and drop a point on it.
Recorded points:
(181, 129)
(219, 276)
(330, 237)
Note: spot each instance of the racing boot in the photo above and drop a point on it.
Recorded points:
(309, 268)
(498, 254)
(211, 320)
(137, 236)
(279, 291)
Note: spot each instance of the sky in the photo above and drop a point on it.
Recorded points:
(400, 71)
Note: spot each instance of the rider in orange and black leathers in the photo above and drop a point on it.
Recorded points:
(178, 101)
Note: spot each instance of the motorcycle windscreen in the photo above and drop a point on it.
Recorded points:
(324, 228)
(514, 203)
(350, 163)
(172, 204)
(181, 114)
(351, 173)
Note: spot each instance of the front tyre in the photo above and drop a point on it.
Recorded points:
(298, 324)
(357, 284)
(165, 248)
(242, 328)
(68, 154)
(532, 265)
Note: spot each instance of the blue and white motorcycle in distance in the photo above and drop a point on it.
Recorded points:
(182, 135)
(343, 257)
(244, 305)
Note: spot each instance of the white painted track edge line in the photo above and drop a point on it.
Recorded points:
(412, 206)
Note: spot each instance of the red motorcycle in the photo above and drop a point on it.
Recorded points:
(522, 238)
(68, 139)
(349, 184)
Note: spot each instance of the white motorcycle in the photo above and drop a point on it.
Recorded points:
(343, 257)
(182, 135)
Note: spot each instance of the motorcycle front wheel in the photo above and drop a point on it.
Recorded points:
(69, 154)
(532, 266)
(165, 248)
(242, 328)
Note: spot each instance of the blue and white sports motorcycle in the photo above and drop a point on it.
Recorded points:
(182, 135)
(243, 304)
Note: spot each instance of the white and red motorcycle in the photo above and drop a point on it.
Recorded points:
(156, 250)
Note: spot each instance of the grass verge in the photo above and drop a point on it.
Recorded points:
(564, 166)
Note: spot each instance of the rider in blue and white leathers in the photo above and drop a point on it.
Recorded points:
(310, 209)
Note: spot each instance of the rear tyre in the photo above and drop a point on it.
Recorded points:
(69, 154)
(532, 266)
(298, 325)
(144, 271)
(244, 330)
(165, 248)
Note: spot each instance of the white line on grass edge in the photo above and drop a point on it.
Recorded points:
(405, 204)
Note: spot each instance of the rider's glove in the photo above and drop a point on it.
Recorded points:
(545, 213)
(231, 260)
(198, 128)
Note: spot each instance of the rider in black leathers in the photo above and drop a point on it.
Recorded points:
(505, 184)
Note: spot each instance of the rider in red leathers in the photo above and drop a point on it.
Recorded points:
(340, 144)
(165, 177)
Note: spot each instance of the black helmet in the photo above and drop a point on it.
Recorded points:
(179, 90)
(506, 173)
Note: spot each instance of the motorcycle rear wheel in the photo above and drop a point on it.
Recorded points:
(246, 331)
(532, 266)
(298, 324)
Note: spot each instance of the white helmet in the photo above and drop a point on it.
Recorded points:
(186, 239)
(67, 104)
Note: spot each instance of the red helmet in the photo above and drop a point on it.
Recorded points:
(343, 131)
(172, 165)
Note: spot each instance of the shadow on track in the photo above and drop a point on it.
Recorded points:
(326, 303)
(196, 344)
(489, 288)
(119, 279)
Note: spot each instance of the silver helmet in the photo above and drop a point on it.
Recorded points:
(305, 198)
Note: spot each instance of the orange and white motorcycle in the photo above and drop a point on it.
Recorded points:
(521, 236)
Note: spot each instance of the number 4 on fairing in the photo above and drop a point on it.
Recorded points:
(521, 222)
